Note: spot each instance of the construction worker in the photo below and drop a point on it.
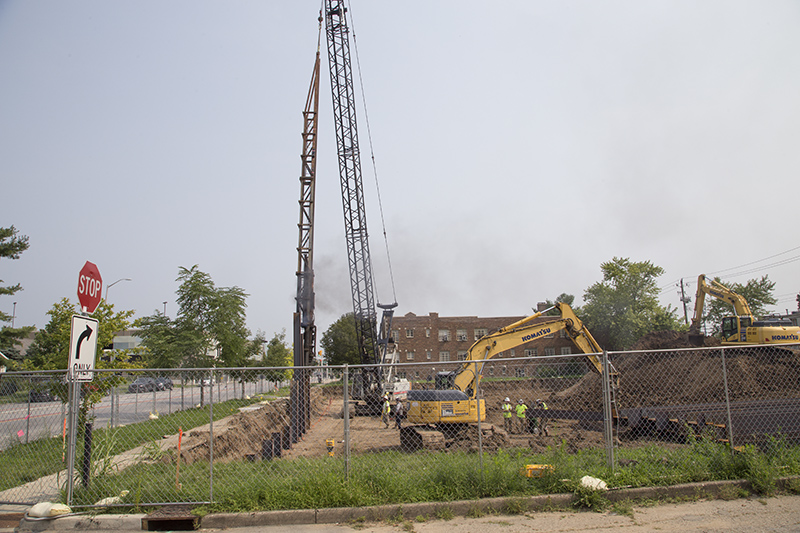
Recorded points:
(520, 409)
(543, 422)
(386, 411)
(507, 420)
(399, 414)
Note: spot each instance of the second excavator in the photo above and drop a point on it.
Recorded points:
(741, 328)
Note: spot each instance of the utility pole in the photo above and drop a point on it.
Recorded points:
(684, 299)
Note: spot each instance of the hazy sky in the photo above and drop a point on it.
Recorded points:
(519, 144)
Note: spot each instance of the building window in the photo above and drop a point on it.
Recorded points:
(409, 334)
(549, 351)
(416, 374)
(480, 332)
(562, 334)
(491, 371)
(461, 334)
(395, 335)
(550, 336)
(428, 332)
(531, 352)
(519, 372)
(462, 355)
(410, 356)
(428, 355)
(444, 335)
(444, 356)
(566, 350)
(505, 369)
(511, 353)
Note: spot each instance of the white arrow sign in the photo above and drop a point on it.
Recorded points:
(82, 348)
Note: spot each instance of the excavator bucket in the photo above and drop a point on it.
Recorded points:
(697, 339)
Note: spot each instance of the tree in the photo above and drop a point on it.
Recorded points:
(339, 342)
(50, 347)
(11, 247)
(279, 355)
(209, 329)
(624, 306)
(757, 292)
(562, 298)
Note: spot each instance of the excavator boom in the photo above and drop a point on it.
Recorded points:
(521, 332)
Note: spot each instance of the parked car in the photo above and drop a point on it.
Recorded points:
(40, 395)
(143, 385)
(163, 383)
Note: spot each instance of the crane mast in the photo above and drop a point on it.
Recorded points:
(355, 218)
(305, 331)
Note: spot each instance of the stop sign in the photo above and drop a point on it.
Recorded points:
(90, 287)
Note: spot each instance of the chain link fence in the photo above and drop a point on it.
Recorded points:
(234, 437)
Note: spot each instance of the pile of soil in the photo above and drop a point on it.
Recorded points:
(243, 434)
(664, 340)
(690, 377)
(493, 437)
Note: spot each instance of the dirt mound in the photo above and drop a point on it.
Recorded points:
(690, 377)
(492, 438)
(669, 339)
(243, 434)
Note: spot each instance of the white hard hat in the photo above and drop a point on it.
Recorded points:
(507, 399)
(520, 400)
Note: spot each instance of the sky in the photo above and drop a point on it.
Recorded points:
(518, 145)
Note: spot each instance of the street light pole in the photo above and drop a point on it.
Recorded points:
(109, 286)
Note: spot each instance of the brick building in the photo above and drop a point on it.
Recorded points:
(422, 341)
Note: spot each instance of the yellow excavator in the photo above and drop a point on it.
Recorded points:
(435, 415)
(742, 328)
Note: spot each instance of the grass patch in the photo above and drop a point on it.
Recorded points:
(434, 477)
(43, 457)
(389, 477)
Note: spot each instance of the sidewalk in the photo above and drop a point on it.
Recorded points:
(702, 513)
(781, 513)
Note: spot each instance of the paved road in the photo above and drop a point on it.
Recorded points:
(738, 516)
(22, 422)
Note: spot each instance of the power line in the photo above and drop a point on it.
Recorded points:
(754, 262)
(748, 271)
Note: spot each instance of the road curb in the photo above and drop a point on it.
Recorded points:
(406, 511)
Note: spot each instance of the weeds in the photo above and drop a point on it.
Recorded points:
(792, 485)
(587, 498)
(516, 506)
(475, 512)
(623, 508)
(731, 492)
(444, 513)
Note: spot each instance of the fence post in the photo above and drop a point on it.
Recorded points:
(727, 400)
(608, 420)
(28, 418)
(211, 440)
(480, 429)
(346, 417)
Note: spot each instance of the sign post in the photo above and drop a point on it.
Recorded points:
(82, 351)
(80, 368)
